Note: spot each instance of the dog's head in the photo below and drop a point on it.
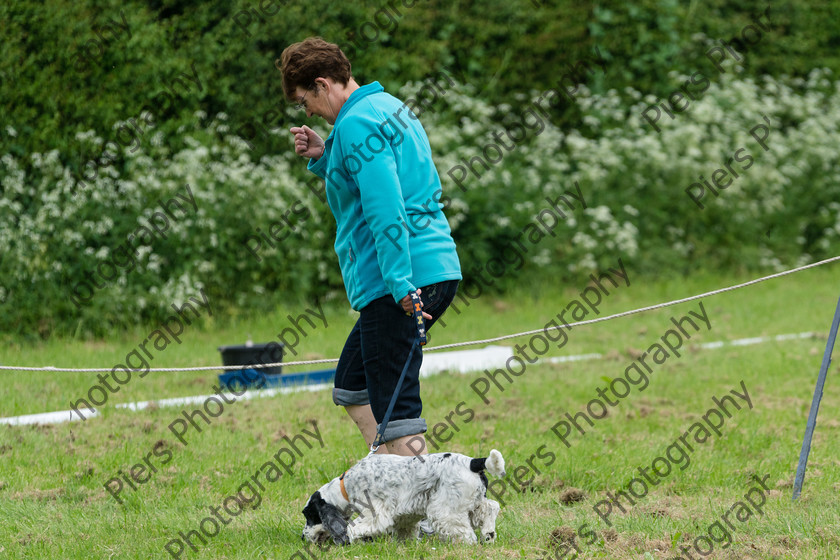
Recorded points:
(324, 521)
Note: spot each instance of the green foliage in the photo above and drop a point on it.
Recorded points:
(58, 78)
(781, 210)
(110, 107)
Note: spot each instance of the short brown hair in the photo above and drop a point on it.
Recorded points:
(300, 63)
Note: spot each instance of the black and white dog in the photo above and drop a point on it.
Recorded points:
(392, 494)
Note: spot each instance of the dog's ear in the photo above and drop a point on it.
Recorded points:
(310, 510)
(333, 522)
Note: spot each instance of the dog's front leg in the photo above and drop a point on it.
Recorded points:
(407, 529)
(456, 531)
(359, 530)
(483, 518)
(450, 519)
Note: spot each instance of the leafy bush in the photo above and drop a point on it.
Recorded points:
(111, 107)
(61, 72)
(781, 211)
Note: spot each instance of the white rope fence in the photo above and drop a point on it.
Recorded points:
(456, 344)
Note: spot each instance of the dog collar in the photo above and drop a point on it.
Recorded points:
(341, 486)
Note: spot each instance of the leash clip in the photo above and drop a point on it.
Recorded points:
(377, 441)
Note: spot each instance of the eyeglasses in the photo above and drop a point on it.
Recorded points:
(302, 105)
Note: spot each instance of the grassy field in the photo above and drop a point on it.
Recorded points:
(54, 504)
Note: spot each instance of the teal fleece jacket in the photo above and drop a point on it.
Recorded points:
(384, 191)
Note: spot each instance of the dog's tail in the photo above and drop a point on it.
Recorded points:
(493, 463)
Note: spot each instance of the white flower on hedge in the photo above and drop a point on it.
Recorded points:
(542, 257)
(580, 240)
(630, 210)
(206, 267)
(628, 154)
(155, 140)
(153, 263)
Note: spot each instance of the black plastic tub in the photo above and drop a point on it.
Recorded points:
(249, 355)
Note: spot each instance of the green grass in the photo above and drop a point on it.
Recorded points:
(53, 504)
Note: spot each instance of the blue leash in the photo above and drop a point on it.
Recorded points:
(419, 341)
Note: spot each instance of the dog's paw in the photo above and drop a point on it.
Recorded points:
(364, 538)
(341, 540)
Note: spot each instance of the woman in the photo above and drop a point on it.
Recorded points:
(392, 237)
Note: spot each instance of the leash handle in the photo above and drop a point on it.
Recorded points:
(420, 323)
(418, 317)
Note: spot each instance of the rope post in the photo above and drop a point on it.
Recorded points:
(815, 406)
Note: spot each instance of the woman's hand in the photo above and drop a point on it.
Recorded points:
(408, 306)
(307, 142)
